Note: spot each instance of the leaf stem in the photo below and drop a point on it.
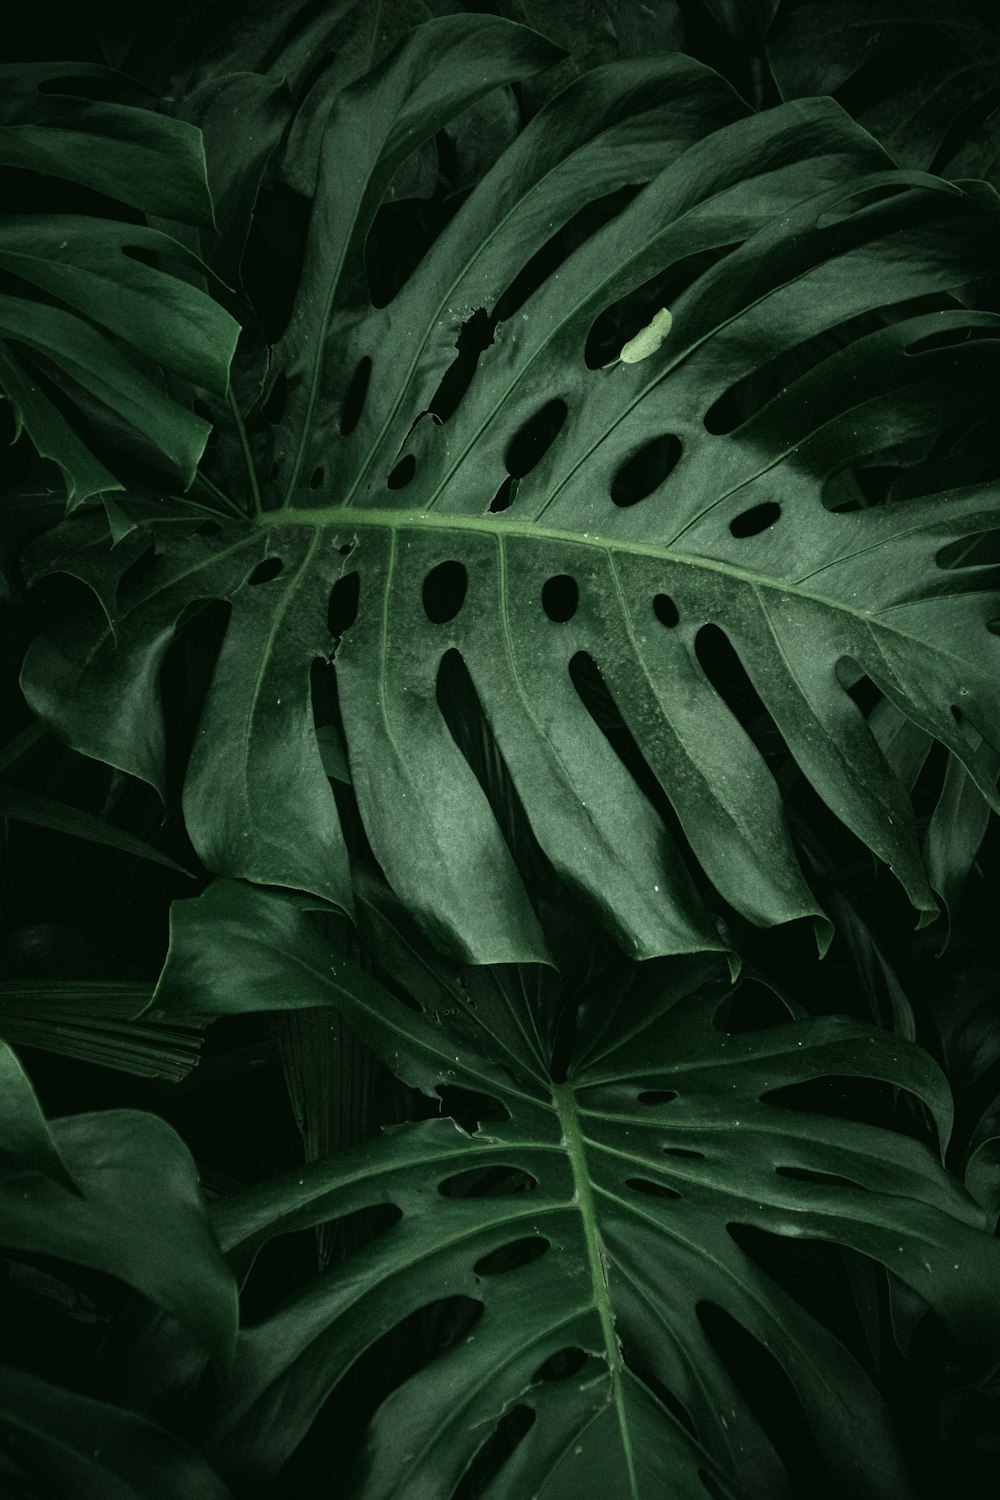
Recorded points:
(241, 432)
(219, 495)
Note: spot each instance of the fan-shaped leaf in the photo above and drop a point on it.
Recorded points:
(598, 1214)
(653, 499)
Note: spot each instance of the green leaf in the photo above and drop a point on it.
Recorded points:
(76, 1446)
(787, 253)
(125, 1201)
(619, 1183)
(92, 1021)
(48, 124)
(48, 812)
(923, 74)
(56, 349)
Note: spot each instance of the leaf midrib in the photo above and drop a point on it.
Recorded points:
(336, 518)
(575, 1146)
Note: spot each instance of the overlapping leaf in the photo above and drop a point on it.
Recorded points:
(678, 492)
(115, 1191)
(587, 1223)
(97, 292)
(919, 75)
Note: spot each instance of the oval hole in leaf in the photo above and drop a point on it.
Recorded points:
(656, 1096)
(666, 610)
(487, 1182)
(683, 1151)
(824, 1179)
(316, 477)
(646, 470)
(208, 528)
(403, 472)
(513, 1256)
(650, 1189)
(265, 570)
(755, 520)
(560, 1366)
(355, 396)
(444, 591)
(343, 607)
(531, 442)
(560, 597)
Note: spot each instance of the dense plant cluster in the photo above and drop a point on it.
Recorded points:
(499, 549)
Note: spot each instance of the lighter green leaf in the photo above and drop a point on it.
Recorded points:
(787, 250)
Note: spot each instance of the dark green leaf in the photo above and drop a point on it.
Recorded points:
(666, 1131)
(60, 1442)
(806, 235)
(124, 1200)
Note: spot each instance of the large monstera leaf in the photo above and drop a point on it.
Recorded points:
(572, 510)
(585, 1225)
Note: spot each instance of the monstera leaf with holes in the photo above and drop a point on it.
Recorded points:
(534, 506)
(593, 1227)
(87, 322)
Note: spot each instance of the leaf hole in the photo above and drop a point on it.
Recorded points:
(346, 548)
(444, 591)
(316, 477)
(656, 1096)
(823, 1179)
(504, 497)
(488, 1182)
(730, 679)
(651, 1189)
(342, 609)
(560, 1366)
(646, 470)
(560, 598)
(870, 1101)
(474, 337)
(569, 237)
(468, 1108)
(512, 1427)
(208, 528)
(402, 473)
(531, 442)
(684, 1152)
(512, 1257)
(666, 610)
(355, 396)
(755, 520)
(268, 568)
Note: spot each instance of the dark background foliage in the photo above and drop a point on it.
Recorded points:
(268, 1090)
